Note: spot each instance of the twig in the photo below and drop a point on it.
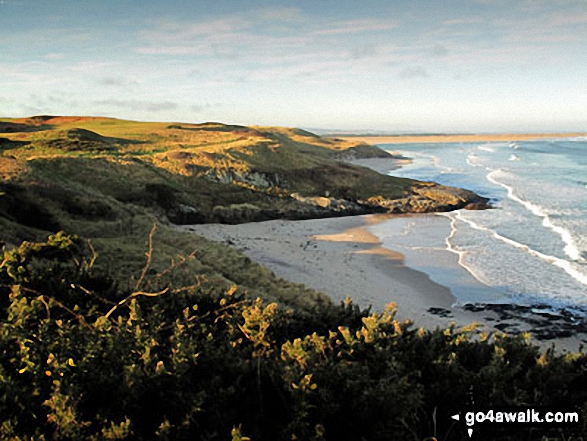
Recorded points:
(42, 299)
(132, 296)
(149, 255)
(87, 291)
(80, 317)
(217, 311)
(172, 267)
(94, 256)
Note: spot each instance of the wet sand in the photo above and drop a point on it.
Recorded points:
(341, 257)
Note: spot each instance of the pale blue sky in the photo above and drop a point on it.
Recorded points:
(419, 65)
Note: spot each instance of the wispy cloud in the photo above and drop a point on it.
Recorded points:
(439, 50)
(280, 14)
(115, 81)
(199, 108)
(235, 36)
(92, 67)
(463, 21)
(356, 27)
(569, 19)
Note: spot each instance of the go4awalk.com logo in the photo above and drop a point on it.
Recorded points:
(517, 418)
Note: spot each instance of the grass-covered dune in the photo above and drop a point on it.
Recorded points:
(75, 173)
(110, 180)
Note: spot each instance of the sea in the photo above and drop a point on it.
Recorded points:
(530, 249)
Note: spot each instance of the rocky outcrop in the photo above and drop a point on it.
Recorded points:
(430, 198)
(331, 205)
(248, 178)
(185, 215)
(433, 198)
(362, 151)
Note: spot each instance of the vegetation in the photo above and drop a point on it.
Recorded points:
(96, 343)
(102, 177)
(83, 357)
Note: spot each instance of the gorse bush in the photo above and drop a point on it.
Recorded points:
(84, 358)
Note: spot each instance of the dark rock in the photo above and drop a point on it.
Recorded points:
(546, 322)
(185, 215)
(477, 206)
(441, 312)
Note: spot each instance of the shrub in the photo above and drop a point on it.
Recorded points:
(83, 358)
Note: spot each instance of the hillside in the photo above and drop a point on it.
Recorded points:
(72, 172)
(110, 180)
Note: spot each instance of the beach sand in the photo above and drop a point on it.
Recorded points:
(340, 257)
(404, 139)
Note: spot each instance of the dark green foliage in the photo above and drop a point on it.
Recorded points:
(18, 204)
(83, 358)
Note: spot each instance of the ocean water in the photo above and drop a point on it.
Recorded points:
(532, 248)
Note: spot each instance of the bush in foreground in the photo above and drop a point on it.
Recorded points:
(83, 358)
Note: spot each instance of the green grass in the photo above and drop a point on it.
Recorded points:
(112, 183)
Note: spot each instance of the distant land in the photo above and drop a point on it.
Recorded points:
(439, 138)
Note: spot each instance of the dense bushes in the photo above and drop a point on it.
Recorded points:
(82, 358)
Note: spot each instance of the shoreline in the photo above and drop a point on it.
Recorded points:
(345, 256)
(409, 139)
(341, 257)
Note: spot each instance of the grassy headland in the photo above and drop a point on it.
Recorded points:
(108, 180)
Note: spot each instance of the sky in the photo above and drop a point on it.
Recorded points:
(372, 65)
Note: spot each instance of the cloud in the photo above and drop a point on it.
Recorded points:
(199, 108)
(363, 51)
(569, 19)
(222, 26)
(44, 101)
(356, 27)
(280, 14)
(92, 66)
(148, 106)
(268, 32)
(463, 21)
(413, 72)
(54, 103)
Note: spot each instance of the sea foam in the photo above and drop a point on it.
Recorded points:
(570, 247)
(534, 244)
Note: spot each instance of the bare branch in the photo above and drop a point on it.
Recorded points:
(132, 296)
(173, 266)
(149, 255)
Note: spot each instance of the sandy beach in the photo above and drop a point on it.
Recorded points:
(506, 137)
(340, 257)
